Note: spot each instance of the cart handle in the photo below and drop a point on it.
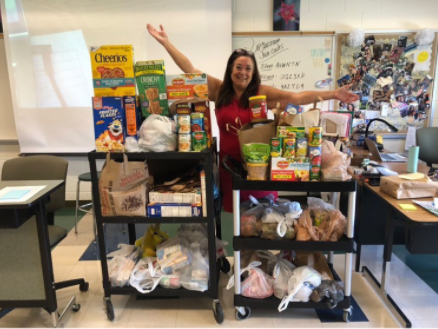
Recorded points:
(226, 161)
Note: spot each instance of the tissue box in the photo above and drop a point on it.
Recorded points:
(400, 188)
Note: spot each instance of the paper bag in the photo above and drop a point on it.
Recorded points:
(122, 187)
(400, 188)
(305, 119)
(260, 134)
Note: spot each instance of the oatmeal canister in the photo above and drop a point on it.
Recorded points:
(259, 108)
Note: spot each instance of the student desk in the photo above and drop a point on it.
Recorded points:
(26, 264)
(421, 228)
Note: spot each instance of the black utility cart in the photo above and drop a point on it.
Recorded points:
(243, 304)
(160, 165)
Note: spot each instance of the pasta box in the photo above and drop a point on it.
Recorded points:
(174, 210)
(292, 170)
(109, 124)
(113, 70)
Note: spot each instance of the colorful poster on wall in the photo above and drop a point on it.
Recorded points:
(287, 15)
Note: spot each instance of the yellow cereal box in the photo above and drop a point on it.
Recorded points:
(113, 70)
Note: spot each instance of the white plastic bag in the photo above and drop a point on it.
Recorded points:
(157, 134)
(121, 265)
(146, 275)
(172, 255)
(195, 277)
(300, 285)
(334, 164)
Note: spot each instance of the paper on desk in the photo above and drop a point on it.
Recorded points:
(32, 190)
(412, 176)
(407, 206)
(410, 138)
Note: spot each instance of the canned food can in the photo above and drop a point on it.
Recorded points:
(275, 147)
(288, 147)
(183, 124)
(199, 141)
(301, 148)
(315, 136)
(184, 142)
(197, 121)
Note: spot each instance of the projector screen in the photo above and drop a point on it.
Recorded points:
(47, 49)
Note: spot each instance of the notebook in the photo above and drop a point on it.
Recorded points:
(384, 157)
(15, 194)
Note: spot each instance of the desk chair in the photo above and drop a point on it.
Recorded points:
(45, 167)
(85, 177)
(426, 140)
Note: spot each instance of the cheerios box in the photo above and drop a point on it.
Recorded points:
(113, 70)
(292, 170)
(109, 127)
(151, 85)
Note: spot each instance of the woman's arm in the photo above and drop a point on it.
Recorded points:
(182, 61)
(274, 95)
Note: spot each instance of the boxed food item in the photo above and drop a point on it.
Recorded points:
(293, 170)
(174, 210)
(151, 85)
(193, 197)
(189, 85)
(291, 132)
(113, 70)
(109, 118)
(132, 117)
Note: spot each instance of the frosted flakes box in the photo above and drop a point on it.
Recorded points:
(151, 85)
(109, 118)
(188, 85)
(113, 70)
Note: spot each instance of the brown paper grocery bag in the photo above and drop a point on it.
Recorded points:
(122, 187)
(400, 188)
(260, 134)
(305, 119)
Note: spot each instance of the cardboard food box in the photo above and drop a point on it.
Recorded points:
(109, 124)
(188, 85)
(293, 170)
(151, 85)
(174, 210)
(193, 197)
(400, 188)
(113, 70)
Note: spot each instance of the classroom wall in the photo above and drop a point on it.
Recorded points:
(256, 15)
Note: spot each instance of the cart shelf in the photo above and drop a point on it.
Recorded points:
(324, 186)
(154, 220)
(159, 292)
(273, 302)
(141, 156)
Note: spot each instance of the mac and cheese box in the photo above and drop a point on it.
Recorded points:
(113, 70)
(151, 85)
(109, 118)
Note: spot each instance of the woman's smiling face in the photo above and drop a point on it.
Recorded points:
(243, 70)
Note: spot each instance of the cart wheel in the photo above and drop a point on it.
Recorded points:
(240, 316)
(76, 307)
(347, 316)
(109, 310)
(218, 313)
(225, 265)
(84, 286)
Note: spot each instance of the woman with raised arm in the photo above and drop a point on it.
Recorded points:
(241, 81)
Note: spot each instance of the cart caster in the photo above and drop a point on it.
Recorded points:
(217, 311)
(242, 315)
(84, 286)
(225, 265)
(347, 316)
(76, 307)
(109, 310)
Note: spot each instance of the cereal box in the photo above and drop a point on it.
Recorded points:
(293, 170)
(193, 197)
(174, 210)
(113, 70)
(109, 118)
(151, 85)
(189, 85)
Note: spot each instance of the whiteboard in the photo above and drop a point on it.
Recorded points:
(291, 62)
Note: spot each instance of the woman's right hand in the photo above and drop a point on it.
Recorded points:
(160, 36)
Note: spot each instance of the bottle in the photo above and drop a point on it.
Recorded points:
(413, 158)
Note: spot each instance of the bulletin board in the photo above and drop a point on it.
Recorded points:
(393, 78)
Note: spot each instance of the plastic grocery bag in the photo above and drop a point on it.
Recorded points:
(249, 218)
(334, 164)
(300, 285)
(157, 134)
(196, 276)
(171, 281)
(257, 285)
(121, 265)
(332, 290)
(173, 255)
(153, 236)
(146, 275)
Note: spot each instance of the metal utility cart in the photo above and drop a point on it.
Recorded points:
(243, 304)
(160, 165)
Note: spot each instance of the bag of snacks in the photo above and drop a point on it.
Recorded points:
(257, 160)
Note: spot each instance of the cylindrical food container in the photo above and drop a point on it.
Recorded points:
(315, 136)
(184, 142)
(259, 108)
(288, 148)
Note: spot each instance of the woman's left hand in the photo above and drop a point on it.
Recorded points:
(344, 95)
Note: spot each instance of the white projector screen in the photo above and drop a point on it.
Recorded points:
(48, 61)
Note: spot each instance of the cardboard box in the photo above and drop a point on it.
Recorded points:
(132, 116)
(293, 170)
(400, 188)
(151, 85)
(174, 197)
(109, 124)
(185, 86)
(113, 70)
(174, 210)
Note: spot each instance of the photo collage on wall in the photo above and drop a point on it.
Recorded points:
(391, 77)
